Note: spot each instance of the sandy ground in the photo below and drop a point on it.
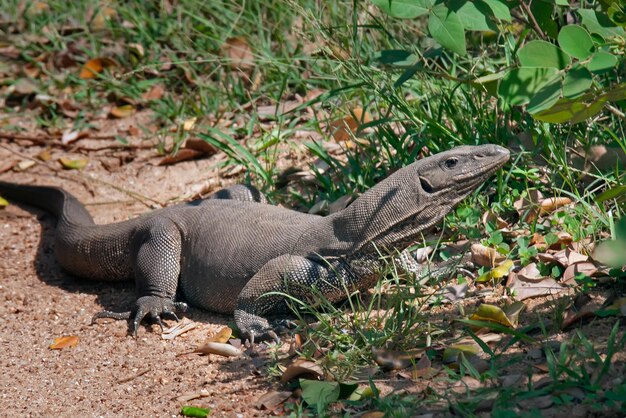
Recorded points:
(108, 373)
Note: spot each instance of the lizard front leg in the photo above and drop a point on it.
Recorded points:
(265, 295)
(156, 249)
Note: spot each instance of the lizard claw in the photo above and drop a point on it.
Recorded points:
(154, 307)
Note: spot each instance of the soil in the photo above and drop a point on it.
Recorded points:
(108, 373)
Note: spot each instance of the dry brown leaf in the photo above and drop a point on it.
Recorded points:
(586, 268)
(7, 165)
(272, 399)
(522, 289)
(67, 341)
(37, 8)
(344, 129)
(188, 124)
(485, 256)
(95, 66)
(24, 165)
(238, 52)
(553, 203)
(573, 316)
(373, 414)
(183, 154)
(302, 368)
(490, 217)
(123, 111)
(156, 92)
(530, 273)
(200, 145)
(221, 349)
(99, 21)
(44, 155)
(73, 163)
(528, 207)
(222, 336)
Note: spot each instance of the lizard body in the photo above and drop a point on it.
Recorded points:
(234, 253)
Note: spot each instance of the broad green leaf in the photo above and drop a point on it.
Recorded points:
(316, 392)
(576, 82)
(447, 29)
(499, 9)
(543, 54)
(471, 16)
(405, 9)
(542, 11)
(617, 15)
(519, 85)
(571, 110)
(545, 98)
(576, 41)
(602, 62)
(598, 22)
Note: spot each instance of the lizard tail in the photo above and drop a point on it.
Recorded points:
(51, 199)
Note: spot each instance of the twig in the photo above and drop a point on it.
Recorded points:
(526, 8)
(133, 377)
(51, 142)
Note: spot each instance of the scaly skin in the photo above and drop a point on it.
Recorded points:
(234, 253)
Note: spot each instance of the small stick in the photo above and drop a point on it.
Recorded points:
(133, 377)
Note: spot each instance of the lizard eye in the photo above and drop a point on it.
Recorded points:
(451, 162)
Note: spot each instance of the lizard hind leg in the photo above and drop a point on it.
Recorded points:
(156, 249)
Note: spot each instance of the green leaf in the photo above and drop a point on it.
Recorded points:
(447, 29)
(613, 193)
(471, 17)
(602, 62)
(542, 11)
(576, 41)
(194, 411)
(499, 9)
(397, 57)
(617, 14)
(519, 85)
(598, 22)
(576, 82)
(571, 110)
(547, 96)
(405, 9)
(315, 392)
(543, 54)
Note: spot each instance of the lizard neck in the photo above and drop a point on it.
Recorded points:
(388, 216)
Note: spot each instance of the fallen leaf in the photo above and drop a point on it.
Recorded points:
(44, 155)
(136, 50)
(490, 217)
(238, 52)
(272, 399)
(195, 412)
(221, 349)
(156, 92)
(302, 368)
(7, 165)
(71, 136)
(99, 21)
(570, 273)
(24, 165)
(553, 203)
(181, 327)
(73, 164)
(513, 311)
(485, 256)
(37, 8)
(530, 273)
(572, 316)
(200, 145)
(567, 256)
(3, 202)
(188, 124)
(521, 289)
(527, 206)
(344, 129)
(123, 111)
(66, 341)
(222, 336)
(492, 313)
(183, 154)
(451, 354)
(497, 273)
(95, 66)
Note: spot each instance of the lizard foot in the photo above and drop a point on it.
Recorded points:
(154, 307)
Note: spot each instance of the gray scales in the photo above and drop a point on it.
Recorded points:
(233, 252)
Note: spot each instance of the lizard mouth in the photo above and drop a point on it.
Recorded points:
(426, 186)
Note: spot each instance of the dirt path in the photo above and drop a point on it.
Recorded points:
(108, 373)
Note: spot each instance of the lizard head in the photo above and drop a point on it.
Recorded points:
(456, 173)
